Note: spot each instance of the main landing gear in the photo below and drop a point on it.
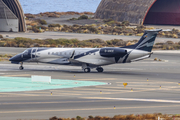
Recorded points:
(21, 67)
(99, 69)
(87, 70)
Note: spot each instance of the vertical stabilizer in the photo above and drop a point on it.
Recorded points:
(147, 41)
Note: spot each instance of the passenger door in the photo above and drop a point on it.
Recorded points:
(34, 54)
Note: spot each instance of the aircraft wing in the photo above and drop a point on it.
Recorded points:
(80, 61)
(90, 59)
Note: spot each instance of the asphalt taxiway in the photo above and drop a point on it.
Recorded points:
(152, 87)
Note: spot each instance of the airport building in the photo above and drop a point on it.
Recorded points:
(12, 18)
(159, 12)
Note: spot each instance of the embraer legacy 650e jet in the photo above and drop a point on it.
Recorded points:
(90, 58)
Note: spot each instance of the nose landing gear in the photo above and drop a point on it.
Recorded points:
(21, 67)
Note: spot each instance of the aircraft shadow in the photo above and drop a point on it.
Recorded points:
(122, 73)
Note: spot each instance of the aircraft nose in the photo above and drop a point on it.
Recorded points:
(11, 59)
(16, 58)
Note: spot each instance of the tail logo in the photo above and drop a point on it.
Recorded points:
(150, 44)
(146, 43)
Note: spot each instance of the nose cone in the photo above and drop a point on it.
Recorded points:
(16, 58)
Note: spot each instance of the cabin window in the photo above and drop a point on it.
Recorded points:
(48, 53)
(52, 53)
(94, 53)
(34, 50)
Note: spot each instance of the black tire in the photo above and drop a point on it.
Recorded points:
(87, 70)
(100, 69)
(21, 68)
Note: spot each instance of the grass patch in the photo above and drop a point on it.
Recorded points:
(42, 22)
(1, 36)
(82, 17)
(27, 42)
(124, 117)
(72, 43)
(5, 57)
(54, 25)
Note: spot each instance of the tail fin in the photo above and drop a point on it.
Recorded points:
(147, 41)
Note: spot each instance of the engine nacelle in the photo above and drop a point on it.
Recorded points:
(112, 52)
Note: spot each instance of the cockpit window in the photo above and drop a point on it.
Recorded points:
(26, 51)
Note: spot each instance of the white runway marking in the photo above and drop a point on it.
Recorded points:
(167, 51)
(135, 99)
(126, 69)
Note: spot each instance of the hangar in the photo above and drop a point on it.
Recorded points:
(160, 12)
(12, 18)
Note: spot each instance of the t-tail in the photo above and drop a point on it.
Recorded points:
(147, 41)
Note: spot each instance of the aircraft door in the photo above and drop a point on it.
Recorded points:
(33, 54)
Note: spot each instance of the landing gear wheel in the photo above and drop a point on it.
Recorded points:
(87, 70)
(100, 69)
(21, 67)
